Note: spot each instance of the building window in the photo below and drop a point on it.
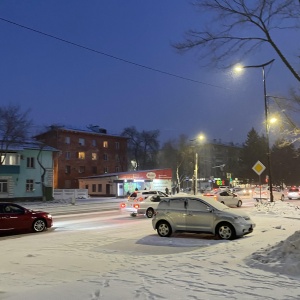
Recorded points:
(99, 188)
(68, 155)
(105, 169)
(81, 169)
(117, 157)
(87, 186)
(29, 185)
(30, 162)
(81, 142)
(10, 159)
(67, 140)
(3, 186)
(105, 157)
(94, 188)
(94, 170)
(68, 169)
(105, 144)
(117, 169)
(81, 155)
(117, 145)
(94, 143)
(94, 156)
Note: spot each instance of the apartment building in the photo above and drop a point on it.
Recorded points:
(83, 153)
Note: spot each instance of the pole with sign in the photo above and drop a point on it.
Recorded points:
(258, 168)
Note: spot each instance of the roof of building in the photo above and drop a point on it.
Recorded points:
(28, 145)
(91, 129)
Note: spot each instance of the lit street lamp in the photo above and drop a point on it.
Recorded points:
(266, 119)
(201, 137)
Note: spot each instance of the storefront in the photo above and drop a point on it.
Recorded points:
(121, 184)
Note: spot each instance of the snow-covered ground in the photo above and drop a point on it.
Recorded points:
(133, 262)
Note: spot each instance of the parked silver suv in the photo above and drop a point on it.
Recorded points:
(205, 215)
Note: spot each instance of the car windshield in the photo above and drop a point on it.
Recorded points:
(216, 204)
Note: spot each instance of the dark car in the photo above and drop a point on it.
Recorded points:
(15, 217)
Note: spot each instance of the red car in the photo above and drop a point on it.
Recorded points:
(17, 217)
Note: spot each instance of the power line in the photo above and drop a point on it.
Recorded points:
(111, 56)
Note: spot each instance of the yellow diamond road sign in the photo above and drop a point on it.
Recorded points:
(258, 168)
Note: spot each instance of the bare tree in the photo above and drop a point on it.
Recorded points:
(142, 147)
(241, 27)
(14, 128)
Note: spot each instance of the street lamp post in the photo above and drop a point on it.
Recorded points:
(266, 120)
(201, 137)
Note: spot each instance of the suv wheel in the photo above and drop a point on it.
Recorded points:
(149, 212)
(225, 231)
(239, 204)
(164, 229)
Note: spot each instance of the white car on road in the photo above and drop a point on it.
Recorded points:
(229, 199)
(142, 206)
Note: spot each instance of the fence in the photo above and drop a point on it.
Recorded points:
(64, 194)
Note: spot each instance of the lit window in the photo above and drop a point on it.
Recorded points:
(81, 155)
(105, 144)
(81, 142)
(30, 162)
(67, 140)
(94, 156)
(29, 185)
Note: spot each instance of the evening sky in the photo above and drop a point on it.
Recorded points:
(119, 73)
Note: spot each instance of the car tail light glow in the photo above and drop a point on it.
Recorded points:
(136, 205)
(122, 205)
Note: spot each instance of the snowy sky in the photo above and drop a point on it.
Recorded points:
(133, 262)
(61, 83)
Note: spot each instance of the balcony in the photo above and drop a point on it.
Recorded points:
(5, 169)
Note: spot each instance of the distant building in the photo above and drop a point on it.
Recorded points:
(84, 152)
(27, 172)
(218, 160)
